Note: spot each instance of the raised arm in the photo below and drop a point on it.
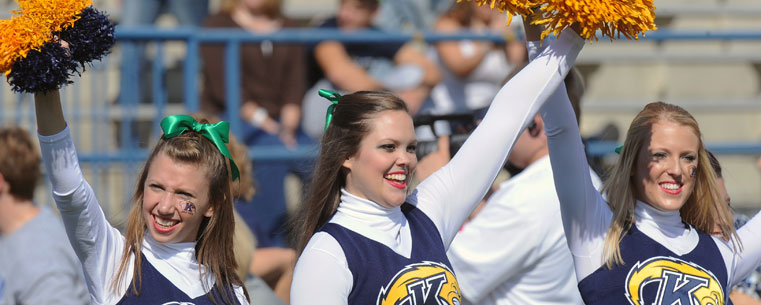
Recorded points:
(750, 257)
(97, 244)
(47, 106)
(586, 216)
(450, 194)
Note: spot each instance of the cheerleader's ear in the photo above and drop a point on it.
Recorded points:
(3, 184)
(209, 211)
(348, 163)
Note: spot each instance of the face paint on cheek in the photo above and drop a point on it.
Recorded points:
(188, 208)
(693, 170)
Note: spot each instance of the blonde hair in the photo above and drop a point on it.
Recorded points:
(703, 209)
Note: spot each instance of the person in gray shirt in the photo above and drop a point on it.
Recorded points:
(37, 263)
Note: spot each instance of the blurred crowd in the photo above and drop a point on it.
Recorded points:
(446, 85)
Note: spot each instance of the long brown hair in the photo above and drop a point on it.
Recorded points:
(350, 124)
(214, 242)
(703, 209)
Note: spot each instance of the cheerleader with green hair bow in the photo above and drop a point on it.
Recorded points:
(178, 242)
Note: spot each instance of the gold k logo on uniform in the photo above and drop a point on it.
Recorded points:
(426, 283)
(665, 280)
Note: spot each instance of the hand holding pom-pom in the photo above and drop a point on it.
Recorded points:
(613, 18)
(91, 37)
(31, 56)
(46, 69)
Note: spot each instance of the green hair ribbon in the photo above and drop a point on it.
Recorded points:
(333, 97)
(619, 148)
(219, 133)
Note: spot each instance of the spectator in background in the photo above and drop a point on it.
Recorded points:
(136, 13)
(474, 70)
(409, 15)
(37, 264)
(272, 86)
(350, 67)
(496, 263)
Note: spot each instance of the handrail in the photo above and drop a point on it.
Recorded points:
(605, 148)
(263, 153)
(313, 35)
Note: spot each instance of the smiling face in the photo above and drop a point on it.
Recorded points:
(175, 200)
(385, 160)
(663, 170)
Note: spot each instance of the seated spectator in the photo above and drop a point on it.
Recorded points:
(409, 15)
(272, 86)
(144, 13)
(473, 70)
(37, 263)
(350, 67)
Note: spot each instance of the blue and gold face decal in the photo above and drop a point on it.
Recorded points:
(665, 280)
(426, 283)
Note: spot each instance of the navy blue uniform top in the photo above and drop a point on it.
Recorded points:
(381, 276)
(157, 289)
(652, 274)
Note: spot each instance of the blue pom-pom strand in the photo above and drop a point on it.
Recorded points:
(42, 70)
(91, 37)
(49, 68)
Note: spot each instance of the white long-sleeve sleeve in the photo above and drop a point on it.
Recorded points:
(750, 257)
(97, 244)
(587, 217)
(451, 193)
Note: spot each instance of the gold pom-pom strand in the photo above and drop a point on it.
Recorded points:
(613, 18)
(33, 25)
(19, 36)
(55, 15)
(510, 7)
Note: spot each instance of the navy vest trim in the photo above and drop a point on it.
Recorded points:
(653, 274)
(382, 276)
(157, 289)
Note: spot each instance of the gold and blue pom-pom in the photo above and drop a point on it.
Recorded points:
(612, 18)
(30, 54)
(43, 69)
(91, 37)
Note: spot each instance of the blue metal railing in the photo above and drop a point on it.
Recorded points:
(101, 153)
(232, 38)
